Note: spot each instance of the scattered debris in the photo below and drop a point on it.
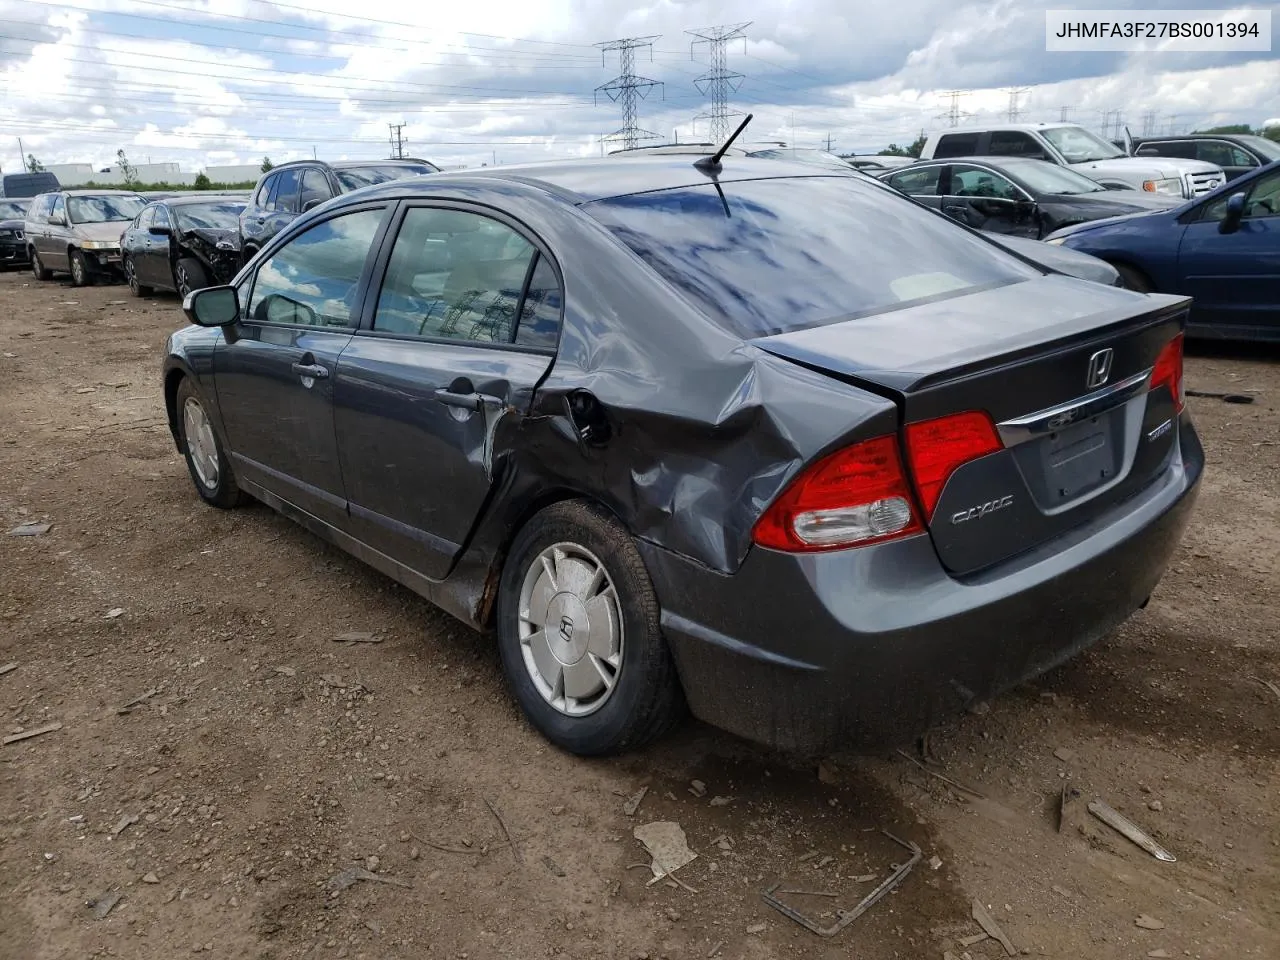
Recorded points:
(665, 842)
(352, 875)
(721, 801)
(864, 878)
(715, 948)
(1155, 805)
(807, 893)
(1148, 922)
(633, 802)
(554, 867)
(28, 734)
(32, 528)
(287, 671)
(357, 636)
(1159, 954)
(1129, 829)
(1069, 793)
(991, 928)
(827, 772)
(1269, 684)
(8, 668)
(150, 878)
(976, 938)
(1065, 754)
(125, 822)
(935, 862)
(128, 707)
(86, 390)
(446, 848)
(846, 917)
(1062, 891)
(515, 850)
(757, 928)
(697, 788)
(807, 856)
(113, 613)
(945, 779)
(1217, 395)
(104, 904)
(823, 862)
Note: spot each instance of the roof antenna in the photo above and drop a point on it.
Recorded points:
(712, 164)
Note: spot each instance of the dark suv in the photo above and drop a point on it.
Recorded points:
(1236, 153)
(286, 191)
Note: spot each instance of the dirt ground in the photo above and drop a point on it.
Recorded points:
(262, 758)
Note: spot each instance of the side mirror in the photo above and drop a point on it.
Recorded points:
(57, 220)
(159, 230)
(212, 306)
(311, 204)
(1230, 221)
(1027, 209)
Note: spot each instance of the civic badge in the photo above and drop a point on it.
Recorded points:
(1099, 368)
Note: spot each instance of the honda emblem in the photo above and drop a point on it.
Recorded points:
(1099, 368)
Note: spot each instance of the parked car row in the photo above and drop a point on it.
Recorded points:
(766, 440)
(13, 235)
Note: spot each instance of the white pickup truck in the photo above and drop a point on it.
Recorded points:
(1070, 145)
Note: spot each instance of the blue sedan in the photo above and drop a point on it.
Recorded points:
(1222, 249)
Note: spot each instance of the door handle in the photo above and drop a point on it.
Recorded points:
(466, 401)
(315, 371)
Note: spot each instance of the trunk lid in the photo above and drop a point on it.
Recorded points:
(1076, 438)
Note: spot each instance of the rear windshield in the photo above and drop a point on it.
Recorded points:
(769, 256)
(353, 178)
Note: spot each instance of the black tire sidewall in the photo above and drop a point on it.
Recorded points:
(197, 278)
(226, 493)
(624, 720)
(38, 267)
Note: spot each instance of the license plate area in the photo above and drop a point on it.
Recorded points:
(1072, 462)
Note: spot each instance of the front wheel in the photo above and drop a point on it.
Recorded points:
(81, 275)
(579, 634)
(206, 461)
(189, 275)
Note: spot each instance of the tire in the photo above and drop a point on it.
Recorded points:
(189, 275)
(38, 268)
(81, 275)
(1133, 278)
(131, 277)
(207, 463)
(644, 699)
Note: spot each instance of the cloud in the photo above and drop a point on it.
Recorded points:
(222, 81)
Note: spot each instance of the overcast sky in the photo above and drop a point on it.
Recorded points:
(229, 81)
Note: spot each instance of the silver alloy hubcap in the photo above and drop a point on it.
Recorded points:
(570, 629)
(77, 269)
(200, 445)
(184, 286)
(131, 274)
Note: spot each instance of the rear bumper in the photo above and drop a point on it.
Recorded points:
(869, 647)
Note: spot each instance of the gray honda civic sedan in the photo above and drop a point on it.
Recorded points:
(758, 440)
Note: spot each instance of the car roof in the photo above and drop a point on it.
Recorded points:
(987, 127)
(210, 198)
(583, 181)
(99, 193)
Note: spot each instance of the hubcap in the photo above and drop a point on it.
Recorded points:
(570, 629)
(184, 286)
(200, 444)
(77, 269)
(131, 275)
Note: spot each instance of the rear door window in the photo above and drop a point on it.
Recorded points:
(1014, 143)
(768, 256)
(957, 145)
(284, 198)
(315, 187)
(917, 183)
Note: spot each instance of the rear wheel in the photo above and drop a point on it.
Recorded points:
(131, 275)
(1133, 278)
(189, 275)
(578, 630)
(81, 275)
(38, 269)
(207, 462)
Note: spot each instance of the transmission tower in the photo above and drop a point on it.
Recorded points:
(1015, 113)
(1149, 123)
(628, 88)
(954, 113)
(397, 140)
(1173, 122)
(1108, 117)
(718, 82)
(1064, 112)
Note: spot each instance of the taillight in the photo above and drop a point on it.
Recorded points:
(936, 448)
(853, 497)
(1168, 371)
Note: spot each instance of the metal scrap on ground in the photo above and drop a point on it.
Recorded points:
(352, 875)
(1129, 829)
(127, 707)
(104, 904)
(665, 843)
(991, 928)
(945, 779)
(357, 636)
(28, 734)
(633, 802)
(515, 849)
(846, 917)
(32, 528)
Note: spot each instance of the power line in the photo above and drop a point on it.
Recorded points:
(627, 88)
(1064, 112)
(718, 82)
(1015, 113)
(954, 113)
(1149, 123)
